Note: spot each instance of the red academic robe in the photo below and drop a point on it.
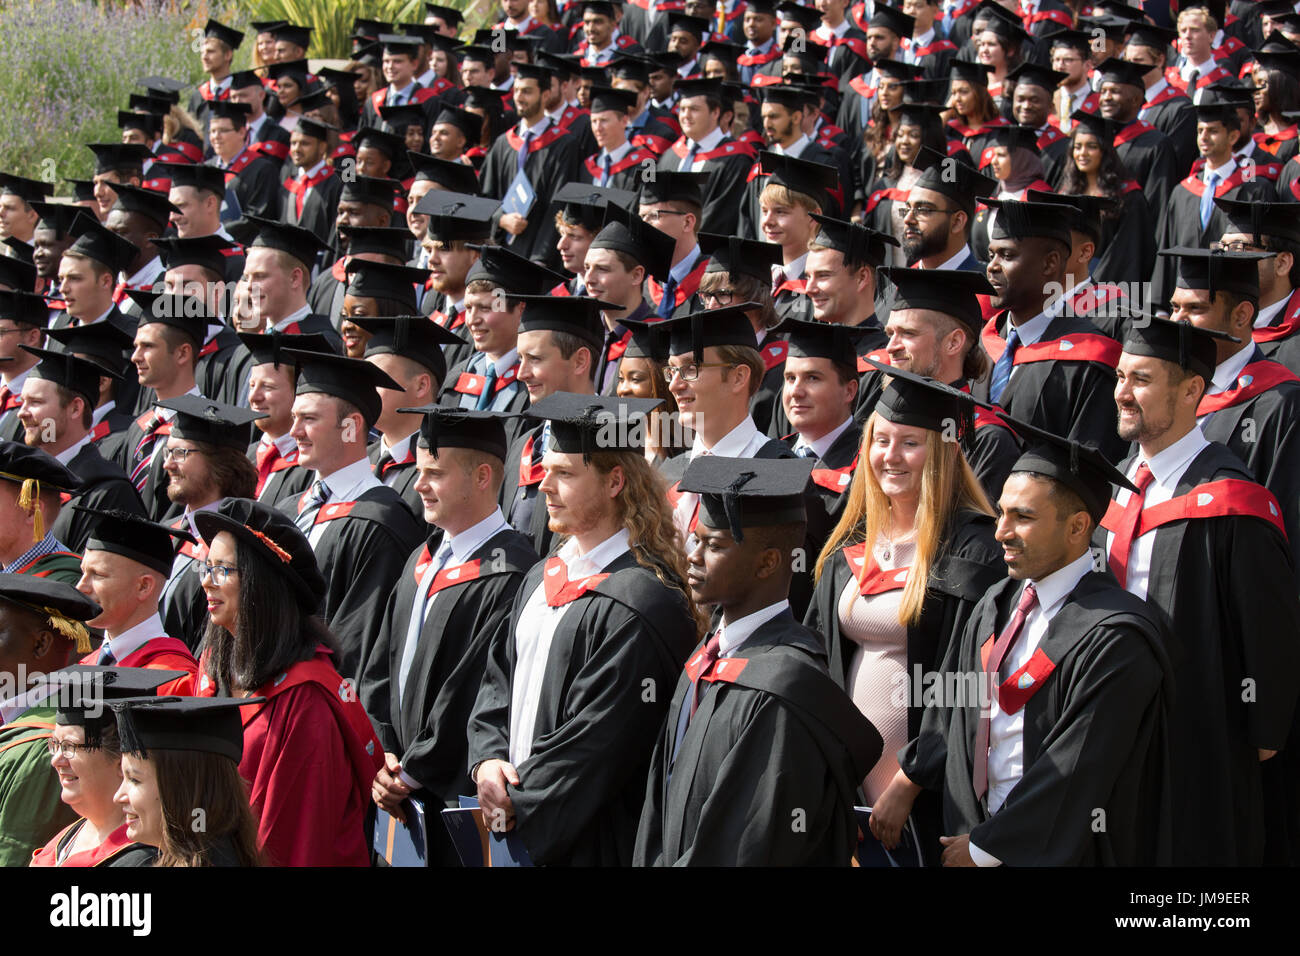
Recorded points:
(117, 842)
(310, 756)
(160, 653)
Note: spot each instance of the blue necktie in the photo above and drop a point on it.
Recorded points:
(806, 451)
(1207, 201)
(605, 164)
(320, 493)
(669, 300)
(489, 387)
(106, 656)
(690, 157)
(523, 151)
(1002, 368)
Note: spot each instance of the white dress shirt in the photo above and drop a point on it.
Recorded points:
(795, 149)
(1167, 468)
(1267, 313)
(70, 452)
(398, 452)
(347, 484)
(291, 318)
(703, 146)
(535, 631)
(743, 441)
(134, 638)
(822, 445)
(952, 263)
(1030, 332)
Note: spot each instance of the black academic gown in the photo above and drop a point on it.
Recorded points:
(1279, 340)
(319, 207)
(778, 744)
(1225, 590)
(104, 487)
(1149, 157)
(465, 382)
(870, 381)
(184, 605)
(223, 367)
(1069, 392)
(254, 184)
(834, 471)
(728, 165)
(772, 350)
(402, 474)
(521, 502)
(991, 450)
(453, 321)
(1094, 737)
(553, 160)
(426, 727)
(361, 555)
(615, 652)
(1174, 115)
(968, 563)
(1127, 251)
(287, 482)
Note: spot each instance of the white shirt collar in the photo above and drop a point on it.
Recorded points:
(538, 129)
(822, 445)
(1204, 67)
(1225, 373)
(1223, 172)
(1173, 460)
(615, 156)
(70, 452)
(737, 633)
(796, 148)
(284, 444)
(350, 481)
(580, 565)
(506, 362)
(730, 445)
(133, 638)
(708, 143)
(1268, 312)
(98, 414)
(954, 262)
(1056, 587)
(16, 383)
(427, 78)
(923, 40)
(683, 268)
(151, 268)
(1156, 88)
(794, 270)
(611, 46)
(309, 173)
(292, 318)
(397, 449)
(471, 539)
(1031, 331)
(189, 514)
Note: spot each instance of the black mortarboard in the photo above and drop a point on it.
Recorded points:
(315, 128)
(920, 114)
(1076, 40)
(268, 348)
(102, 342)
(1218, 271)
(105, 247)
(67, 371)
(1261, 219)
(255, 232)
(924, 96)
(1121, 10)
(448, 15)
(585, 205)
(1036, 75)
(313, 100)
(1285, 61)
(648, 245)
(83, 190)
(1116, 70)
(158, 106)
(1218, 108)
(765, 7)
(806, 17)
(369, 27)
(58, 217)
(381, 240)
(195, 724)
(26, 189)
(187, 313)
(977, 74)
(692, 334)
(607, 98)
(699, 86)
(370, 190)
(512, 272)
(81, 693)
(412, 336)
(1081, 468)
(230, 37)
(445, 427)
(954, 295)
(1216, 8)
(266, 26)
(211, 252)
(576, 315)
(292, 33)
(860, 245)
(1149, 35)
(163, 87)
(192, 174)
(791, 97)
(459, 228)
(595, 75)
(734, 255)
(147, 123)
(25, 308)
(114, 156)
(245, 79)
(919, 402)
(649, 340)
(215, 423)
(1099, 126)
(237, 113)
(603, 8)
(477, 54)
(66, 608)
(1023, 220)
(810, 179)
(458, 177)
(629, 67)
(1087, 210)
(893, 19)
(149, 203)
(535, 71)
(1014, 136)
(134, 536)
(836, 341)
(672, 186)
(21, 464)
(24, 251)
(383, 280)
(353, 380)
(739, 493)
(1182, 343)
(398, 118)
(18, 274)
(564, 65)
(470, 124)
(583, 424)
(1114, 28)
(400, 43)
(696, 26)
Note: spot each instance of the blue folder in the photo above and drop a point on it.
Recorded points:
(402, 844)
(476, 844)
(872, 853)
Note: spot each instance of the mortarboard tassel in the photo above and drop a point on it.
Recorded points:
(731, 504)
(29, 499)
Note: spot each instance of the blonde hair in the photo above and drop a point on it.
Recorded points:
(785, 196)
(1199, 13)
(948, 485)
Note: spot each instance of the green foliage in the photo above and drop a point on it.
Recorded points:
(332, 19)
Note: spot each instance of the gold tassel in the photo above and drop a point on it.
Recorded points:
(29, 499)
(72, 630)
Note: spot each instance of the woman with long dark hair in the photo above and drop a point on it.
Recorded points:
(999, 47)
(181, 791)
(911, 555)
(976, 115)
(1127, 251)
(1277, 99)
(310, 752)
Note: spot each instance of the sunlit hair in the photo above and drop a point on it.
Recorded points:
(948, 485)
(190, 781)
(643, 509)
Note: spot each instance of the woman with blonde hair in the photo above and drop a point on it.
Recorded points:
(911, 555)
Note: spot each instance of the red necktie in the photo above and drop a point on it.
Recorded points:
(267, 455)
(1128, 525)
(5, 395)
(1028, 598)
(144, 453)
(708, 660)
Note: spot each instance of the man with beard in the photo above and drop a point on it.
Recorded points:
(938, 214)
(22, 323)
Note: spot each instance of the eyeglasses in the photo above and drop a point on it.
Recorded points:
(921, 210)
(4, 332)
(690, 373)
(722, 296)
(69, 750)
(217, 572)
(1239, 246)
(180, 454)
(656, 215)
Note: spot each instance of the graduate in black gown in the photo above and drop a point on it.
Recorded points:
(1048, 742)
(454, 594)
(761, 754)
(252, 180)
(1271, 227)
(1204, 546)
(1049, 368)
(577, 683)
(1147, 154)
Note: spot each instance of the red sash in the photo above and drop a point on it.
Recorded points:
(1075, 347)
(835, 479)
(469, 384)
(774, 352)
(389, 466)
(872, 580)
(559, 589)
(935, 46)
(447, 577)
(1015, 691)
(1215, 499)
(1094, 297)
(796, 286)
(96, 856)
(1255, 379)
(553, 132)
(1170, 92)
(529, 474)
(1131, 132)
(205, 91)
(440, 318)
(635, 156)
(1195, 185)
(730, 147)
(616, 349)
(760, 59)
(298, 187)
(239, 165)
(1289, 325)
(878, 355)
(685, 289)
(271, 148)
(1270, 141)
